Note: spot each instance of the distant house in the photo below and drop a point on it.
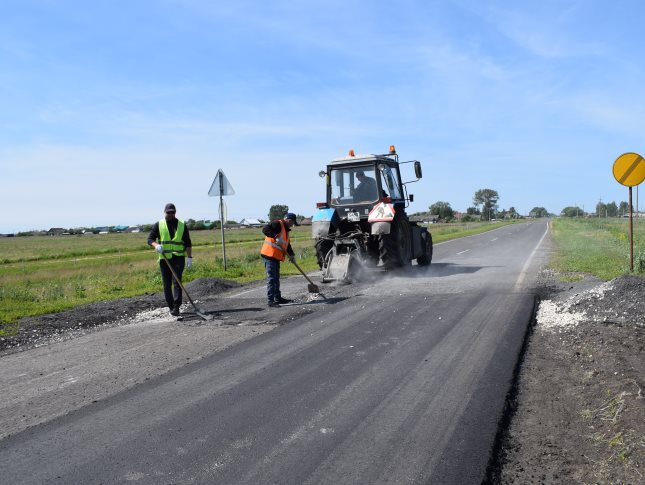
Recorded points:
(134, 229)
(56, 231)
(251, 222)
(121, 228)
(425, 219)
(305, 221)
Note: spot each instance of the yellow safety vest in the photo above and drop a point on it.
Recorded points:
(171, 246)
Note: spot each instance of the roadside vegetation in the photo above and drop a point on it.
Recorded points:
(47, 274)
(597, 246)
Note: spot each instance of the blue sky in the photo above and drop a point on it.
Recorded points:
(110, 109)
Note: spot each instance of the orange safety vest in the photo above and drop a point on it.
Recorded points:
(271, 249)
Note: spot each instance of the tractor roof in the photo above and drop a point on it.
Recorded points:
(360, 158)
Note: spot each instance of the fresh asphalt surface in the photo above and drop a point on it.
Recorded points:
(402, 380)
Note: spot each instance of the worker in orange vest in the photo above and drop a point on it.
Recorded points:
(276, 248)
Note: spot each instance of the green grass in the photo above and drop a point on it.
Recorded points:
(596, 246)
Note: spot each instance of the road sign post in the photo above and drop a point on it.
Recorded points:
(221, 187)
(629, 170)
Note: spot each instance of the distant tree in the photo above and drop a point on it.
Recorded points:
(442, 209)
(572, 211)
(512, 213)
(623, 209)
(612, 209)
(487, 198)
(277, 211)
(473, 211)
(469, 218)
(539, 212)
(601, 209)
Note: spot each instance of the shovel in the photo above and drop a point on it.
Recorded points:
(311, 286)
(205, 316)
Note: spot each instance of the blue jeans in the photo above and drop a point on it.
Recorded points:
(272, 268)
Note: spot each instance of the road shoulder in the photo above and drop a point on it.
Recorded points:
(578, 415)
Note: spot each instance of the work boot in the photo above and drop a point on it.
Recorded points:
(283, 300)
(175, 311)
(273, 304)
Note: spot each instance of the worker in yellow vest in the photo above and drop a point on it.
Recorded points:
(171, 240)
(275, 248)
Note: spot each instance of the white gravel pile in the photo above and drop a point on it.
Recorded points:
(156, 314)
(553, 315)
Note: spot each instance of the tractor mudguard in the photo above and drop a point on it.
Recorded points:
(379, 228)
(322, 222)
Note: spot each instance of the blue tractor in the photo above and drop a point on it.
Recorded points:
(363, 225)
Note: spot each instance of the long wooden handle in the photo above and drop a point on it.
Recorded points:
(301, 271)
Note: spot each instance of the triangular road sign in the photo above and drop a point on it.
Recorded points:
(221, 186)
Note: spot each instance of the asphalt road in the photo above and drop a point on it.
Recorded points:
(399, 381)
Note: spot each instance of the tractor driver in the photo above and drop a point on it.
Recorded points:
(366, 189)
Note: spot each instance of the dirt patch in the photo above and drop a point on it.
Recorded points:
(578, 414)
(44, 329)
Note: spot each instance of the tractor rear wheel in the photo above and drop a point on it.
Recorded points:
(426, 258)
(395, 248)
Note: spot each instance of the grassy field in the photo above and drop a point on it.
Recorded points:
(597, 246)
(45, 274)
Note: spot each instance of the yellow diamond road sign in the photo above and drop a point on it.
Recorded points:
(629, 169)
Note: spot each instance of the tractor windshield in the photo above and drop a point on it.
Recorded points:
(353, 185)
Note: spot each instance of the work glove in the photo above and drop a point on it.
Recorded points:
(279, 241)
(159, 248)
(189, 262)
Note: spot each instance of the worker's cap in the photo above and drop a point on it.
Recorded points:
(292, 216)
(170, 207)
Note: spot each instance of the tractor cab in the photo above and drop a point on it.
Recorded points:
(363, 184)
